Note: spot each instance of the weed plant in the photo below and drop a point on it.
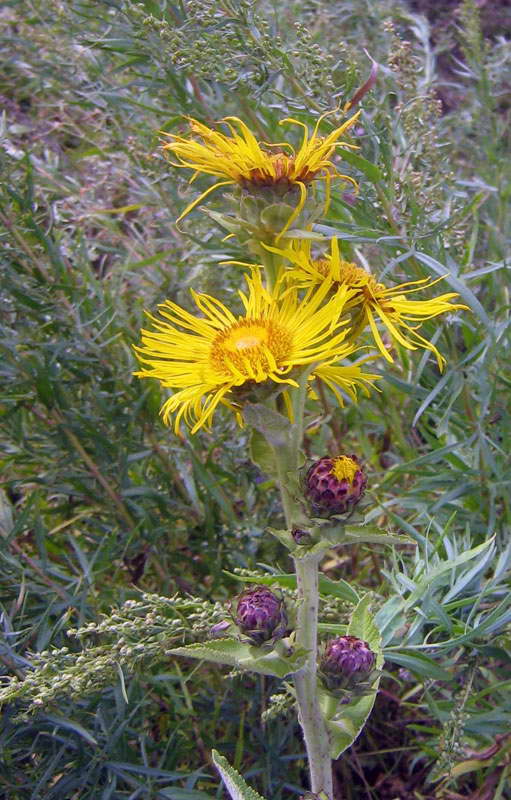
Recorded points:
(105, 515)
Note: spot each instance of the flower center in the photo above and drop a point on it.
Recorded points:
(281, 169)
(374, 294)
(347, 273)
(250, 350)
(323, 266)
(344, 468)
(356, 276)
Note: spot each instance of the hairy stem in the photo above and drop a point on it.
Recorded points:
(271, 263)
(314, 729)
(313, 726)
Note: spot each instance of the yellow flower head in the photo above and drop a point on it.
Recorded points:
(344, 468)
(206, 358)
(242, 160)
(375, 302)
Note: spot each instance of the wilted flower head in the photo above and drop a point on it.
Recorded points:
(347, 662)
(334, 485)
(261, 615)
(242, 160)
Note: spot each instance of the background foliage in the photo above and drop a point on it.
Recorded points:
(102, 505)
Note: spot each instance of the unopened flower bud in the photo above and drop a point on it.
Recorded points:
(261, 615)
(334, 485)
(347, 663)
(300, 536)
(219, 628)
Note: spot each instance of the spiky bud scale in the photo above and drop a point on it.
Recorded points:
(346, 663)
(261, 615)
(335, 485)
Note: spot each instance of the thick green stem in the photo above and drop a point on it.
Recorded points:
(314, 728)
(313, 725)
(271, 263)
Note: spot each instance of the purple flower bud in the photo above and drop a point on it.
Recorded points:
(346, 662)
(300, 536)
(334, 485)
(261, 615)
(219, 628)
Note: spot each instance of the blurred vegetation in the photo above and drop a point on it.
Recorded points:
(101, 505)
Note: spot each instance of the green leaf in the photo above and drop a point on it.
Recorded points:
(210, 482)
(71, 725)
(6, 517)
(145, 262)
(175, 793)
(332, 627)
(455, 283)
(223, 220)
(275, 428)
(299, 233)
(370, 534)
(423, 585)
(345, 721)
(345, 726)
(363, 626)
(140, 769)
(284, 537)
(391, 616)
(235, 784)
(337, 532)
(370, 170)
(244, 656)
(418, 663)
(339, 588)
(261, 453)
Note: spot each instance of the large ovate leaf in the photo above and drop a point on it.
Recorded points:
(345, 727)
(338, 532)
(279, 662)
(262, 454)
(371, 534)
(285, 537)
(346, 720)
(235, 784)
(275, 428)
(363, 626)
(340, 588)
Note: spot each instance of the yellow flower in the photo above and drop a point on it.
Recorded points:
(242, 160)
(344, 468)
(205, 359)
(373, 301)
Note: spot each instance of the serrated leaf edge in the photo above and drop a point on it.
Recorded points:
(235, 783)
